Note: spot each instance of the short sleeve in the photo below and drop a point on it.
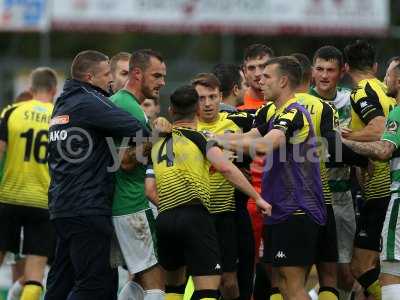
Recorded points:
(289, 122)
(392, 130)
(4, 122)
(243, 120)
(365, 103)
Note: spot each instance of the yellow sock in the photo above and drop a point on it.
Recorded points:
(277, 296)
(375, 290)
(31, 292)
(327, 295)
(189, 289)
(172, 296)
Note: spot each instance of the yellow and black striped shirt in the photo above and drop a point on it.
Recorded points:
(181, 169)
(369, 100)
(222, 192)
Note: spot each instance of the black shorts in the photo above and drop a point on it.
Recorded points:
(186, 236)
(226, 227)
(38, 232)
(327, 239)
(292, 242)
(370, 224)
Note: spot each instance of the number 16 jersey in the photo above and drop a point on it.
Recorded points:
(24, 127)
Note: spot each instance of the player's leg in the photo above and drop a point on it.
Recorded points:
(367, 245)
(225, 226)
(291, 283)
(390, 255)
(327, 258)
(245, 241)
(37, 246)
(137, 240)
(345, 229)
(202, 253)
(171, 253)
(293, 247)
(10, 230)
(273, 293)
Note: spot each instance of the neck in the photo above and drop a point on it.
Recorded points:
(303, 88)
(135, 90)
(43, 96)
(208, 121)
(357, 76)
(256, 94)
(230, 100)
(283, 98)
(326, 94)
(398, 98)
(186, 123)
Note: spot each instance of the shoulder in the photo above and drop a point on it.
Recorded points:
(9, 108)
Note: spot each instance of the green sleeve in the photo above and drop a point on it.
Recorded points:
(392, 130)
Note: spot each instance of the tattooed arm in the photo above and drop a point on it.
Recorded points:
(381, 150)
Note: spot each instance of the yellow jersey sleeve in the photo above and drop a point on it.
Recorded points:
(365, 103)
(294, 124)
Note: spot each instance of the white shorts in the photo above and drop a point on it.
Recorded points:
(391, 231)
(135, 236)
(343, 209)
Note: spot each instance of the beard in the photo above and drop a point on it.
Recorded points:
(392, 93)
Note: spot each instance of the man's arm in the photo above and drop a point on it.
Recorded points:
(104, 115)
(371, 132)
(380, 150)
(366, 104)
(3, 148)
(218, 160)
(273, 140)
(150, 186)
(134, 156)
(237, 142)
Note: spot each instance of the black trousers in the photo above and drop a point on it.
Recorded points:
(81, 269)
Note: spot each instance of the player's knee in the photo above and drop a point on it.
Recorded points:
(355, 268)
(345, 280)
(229, 289)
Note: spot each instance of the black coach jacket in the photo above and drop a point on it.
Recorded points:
(79, 156)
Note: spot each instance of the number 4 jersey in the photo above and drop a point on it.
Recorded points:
(24, 127)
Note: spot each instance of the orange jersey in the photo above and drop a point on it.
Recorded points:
(250, 101)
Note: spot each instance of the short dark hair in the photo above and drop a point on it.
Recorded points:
(184, 101)
(289, 67)
(305, 64)
(229, 76)
(116, 58)
(85, 62)
(206, 79)
(257, 50)
(43, 79)
(329, 53)
(360, 55)
(141, 59)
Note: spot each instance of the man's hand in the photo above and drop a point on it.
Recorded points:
(346, 132)
(263, 206)
(162, 125)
